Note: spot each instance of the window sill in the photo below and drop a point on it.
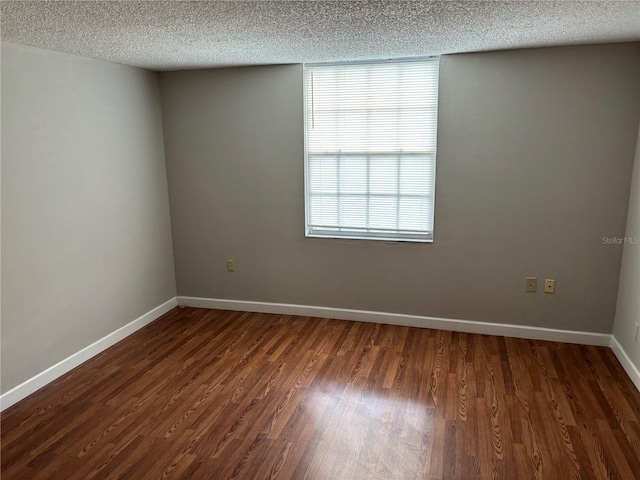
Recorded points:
(379, 239)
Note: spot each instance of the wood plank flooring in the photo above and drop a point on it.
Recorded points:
(208, 394)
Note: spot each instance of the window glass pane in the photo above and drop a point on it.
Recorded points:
(323, 174)
(353, 211)
(324, 210)
(416, 175)
(384, 175)
(383, 212)
(414, 213)
(353, 174)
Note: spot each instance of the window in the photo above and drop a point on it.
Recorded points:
(371, 149)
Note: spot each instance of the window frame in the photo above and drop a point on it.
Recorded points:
(376, 234)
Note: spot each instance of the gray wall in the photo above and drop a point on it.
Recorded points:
(86, 240)
(628, 307)
(535, 156)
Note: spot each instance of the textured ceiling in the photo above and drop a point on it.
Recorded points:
(170, 35)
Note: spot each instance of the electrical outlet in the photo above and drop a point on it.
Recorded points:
(549, 285)
(531, 284)
(231, 266)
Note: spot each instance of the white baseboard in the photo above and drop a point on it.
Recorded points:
(468, 326)
(627, 364)
(50, 374)
(486, 328)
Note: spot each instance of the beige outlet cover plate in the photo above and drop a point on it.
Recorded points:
(549, 285)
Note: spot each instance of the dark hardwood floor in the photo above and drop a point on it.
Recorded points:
(216, 395)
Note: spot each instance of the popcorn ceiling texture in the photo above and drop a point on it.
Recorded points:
(172, 35)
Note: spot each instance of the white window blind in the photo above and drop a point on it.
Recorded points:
(371, 132)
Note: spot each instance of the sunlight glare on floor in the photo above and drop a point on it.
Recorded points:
(360, 425)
